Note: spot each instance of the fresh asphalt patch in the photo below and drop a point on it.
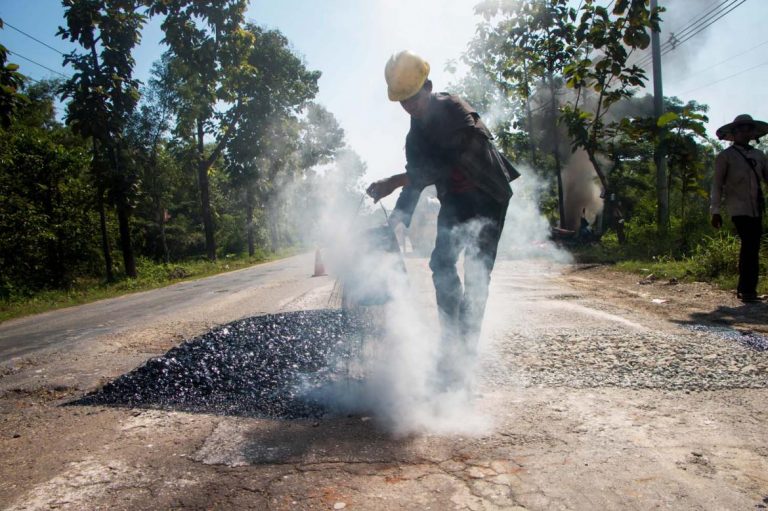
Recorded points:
(264, 366)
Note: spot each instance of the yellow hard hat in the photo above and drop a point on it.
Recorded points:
(405, 73)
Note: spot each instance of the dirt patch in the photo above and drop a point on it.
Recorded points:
(685, 303)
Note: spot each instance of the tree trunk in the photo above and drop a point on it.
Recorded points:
(600, 173)
(205, 194)
(163, 239)
(249, 220)
(110, 276)
(529, 115)
(123, 221)
(556, 151)
(96, 171)
(123, 212)
(272, 221)
(560, 191)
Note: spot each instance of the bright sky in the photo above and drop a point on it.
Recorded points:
(724, 66)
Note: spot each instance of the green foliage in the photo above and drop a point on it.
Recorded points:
(10, 83)
(103, 95)
(46, 231)
(602, 76)
(715, 256)
(228, 107)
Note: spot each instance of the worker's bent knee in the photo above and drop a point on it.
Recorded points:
(440, 264)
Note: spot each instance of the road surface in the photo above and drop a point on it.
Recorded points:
(584, 400)
(259, 289)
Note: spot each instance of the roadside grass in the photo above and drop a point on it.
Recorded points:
(152, 275)
(713, 260)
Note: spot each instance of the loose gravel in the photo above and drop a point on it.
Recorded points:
(692, 359)
(261, 366)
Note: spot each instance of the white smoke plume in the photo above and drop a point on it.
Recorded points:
(581, 190)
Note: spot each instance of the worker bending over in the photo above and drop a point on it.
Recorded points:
(449, 146)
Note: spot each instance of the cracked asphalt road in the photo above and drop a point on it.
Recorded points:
(595, 403)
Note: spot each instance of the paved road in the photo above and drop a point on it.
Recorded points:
(259, 289)
(584, 403)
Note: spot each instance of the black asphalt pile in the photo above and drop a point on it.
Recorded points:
(261, 366)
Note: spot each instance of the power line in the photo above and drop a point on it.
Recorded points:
(32, 37)
(694, 21)
(703, 18)
(701, 27)
(37, 63)
(726, 78)
(741, 2)
(691, 75)
(694, 27)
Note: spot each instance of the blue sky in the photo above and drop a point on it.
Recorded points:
(349, 41)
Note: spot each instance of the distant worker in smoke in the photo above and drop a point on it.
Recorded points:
(739, 173)
(585, 231)
(449, 146)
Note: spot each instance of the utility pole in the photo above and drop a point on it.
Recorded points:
(662, 190)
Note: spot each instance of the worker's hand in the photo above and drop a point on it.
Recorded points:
(717, 221)
(382, 188)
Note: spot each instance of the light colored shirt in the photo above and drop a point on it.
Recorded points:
(735, 183)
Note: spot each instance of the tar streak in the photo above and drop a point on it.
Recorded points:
(261, 366)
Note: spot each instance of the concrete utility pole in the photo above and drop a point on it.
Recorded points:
(662, 191)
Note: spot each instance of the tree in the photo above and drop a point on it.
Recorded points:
(321, 137)
(602, 77)
(103, 95)
(266, 142)
(10, 83)
(155, 168)
(208, 53)
(687, 157)
(531, 44)
(45, 233)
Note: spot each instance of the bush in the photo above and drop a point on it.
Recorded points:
(715, 256)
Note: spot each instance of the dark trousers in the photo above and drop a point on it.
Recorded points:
(470, 221)
(750, 229)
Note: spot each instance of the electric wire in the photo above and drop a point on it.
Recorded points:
(692, 30)
(727, 59)
(665, 49)
(5, 23)
(689, 36)
(692, 23)
(726, 78)
(37, 63)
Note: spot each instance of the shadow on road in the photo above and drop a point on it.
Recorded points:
(336, 440)
(746, 314)
(733, 323)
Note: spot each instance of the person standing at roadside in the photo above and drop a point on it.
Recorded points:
(740, 171)
(449, 146)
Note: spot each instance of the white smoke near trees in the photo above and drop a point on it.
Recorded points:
(581, 190)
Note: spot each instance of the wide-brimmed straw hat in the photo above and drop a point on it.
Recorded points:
(759, 128)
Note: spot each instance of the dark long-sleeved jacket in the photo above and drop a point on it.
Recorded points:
(450, 136)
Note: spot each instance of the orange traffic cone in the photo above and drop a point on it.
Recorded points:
(319, 266)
